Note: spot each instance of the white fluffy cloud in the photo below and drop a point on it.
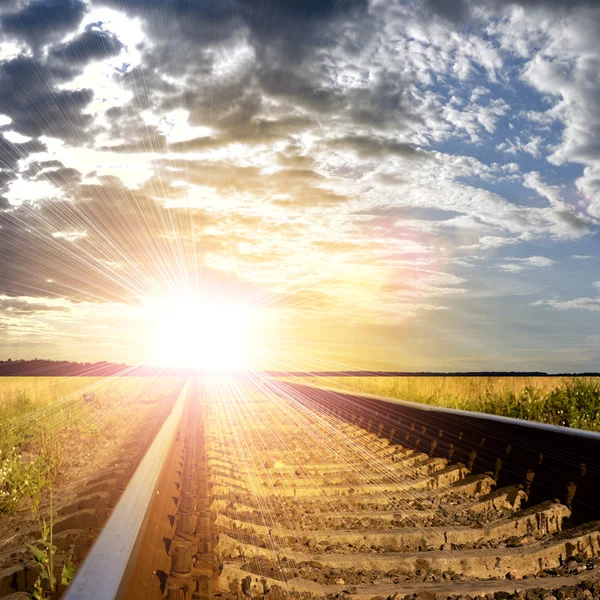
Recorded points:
(561, 54)
(517, 265)
(585, 303)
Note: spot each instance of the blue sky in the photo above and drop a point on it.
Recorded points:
(395, 185)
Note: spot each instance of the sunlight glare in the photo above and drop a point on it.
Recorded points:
(201, 335)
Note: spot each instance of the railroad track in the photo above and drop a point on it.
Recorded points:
(261, 489)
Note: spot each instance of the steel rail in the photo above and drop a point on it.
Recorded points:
(105, 571)
(548, 460)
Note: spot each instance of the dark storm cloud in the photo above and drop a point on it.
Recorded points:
(30, 91)
(42, 21)
(291, 24)
(236, 111)
(284, 68)
(298, 27)
(35, 167)
(92, 44)
(264, 130)
(264, 15)
(375, 147)
(383, 103)
(29, 96)
(311, 94)
(456, 11)
(188, 38)
(206, 22)
(11, 153)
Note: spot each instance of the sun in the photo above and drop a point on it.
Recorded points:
(196, 334)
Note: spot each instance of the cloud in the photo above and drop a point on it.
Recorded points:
(376, 147)
(533, 146)
(70, 236)
(30, 96)
(288, 25)
(284, 147)
(538, 261)
(517, 265)
(460, 12)
(26, 305)
(43, 21)
(560, 62)
(38, 244)
(24, 190)
(569, 218)
(10, 155)
(585, 303)
(92, 44)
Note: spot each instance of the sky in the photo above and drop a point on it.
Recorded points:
(370, 184)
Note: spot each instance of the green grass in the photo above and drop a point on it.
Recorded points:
(38, 413)
(21, 478)
(571, 402)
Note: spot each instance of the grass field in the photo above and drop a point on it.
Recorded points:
(572, 402)
(36, 413)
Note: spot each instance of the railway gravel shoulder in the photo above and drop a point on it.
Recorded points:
(83, 496)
